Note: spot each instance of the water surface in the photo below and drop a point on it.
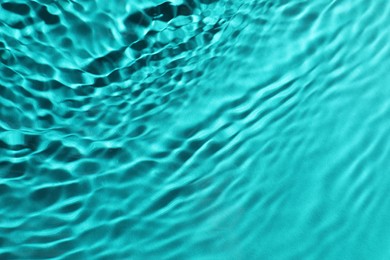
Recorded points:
(194, 129)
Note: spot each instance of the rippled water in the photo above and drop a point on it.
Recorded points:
(194, 129)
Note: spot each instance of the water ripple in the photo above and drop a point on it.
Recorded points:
(194, 129)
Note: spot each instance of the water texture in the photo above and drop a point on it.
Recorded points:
(195, 129)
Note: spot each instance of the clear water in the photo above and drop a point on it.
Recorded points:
(194, 129)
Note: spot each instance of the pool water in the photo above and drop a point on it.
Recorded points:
(195, 129)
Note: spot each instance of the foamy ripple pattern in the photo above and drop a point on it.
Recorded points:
(194, 129)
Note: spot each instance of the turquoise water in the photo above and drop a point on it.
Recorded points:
(194, 129)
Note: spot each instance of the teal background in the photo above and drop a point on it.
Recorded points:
(189, 129)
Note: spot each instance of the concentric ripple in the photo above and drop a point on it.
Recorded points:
(194, 129)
